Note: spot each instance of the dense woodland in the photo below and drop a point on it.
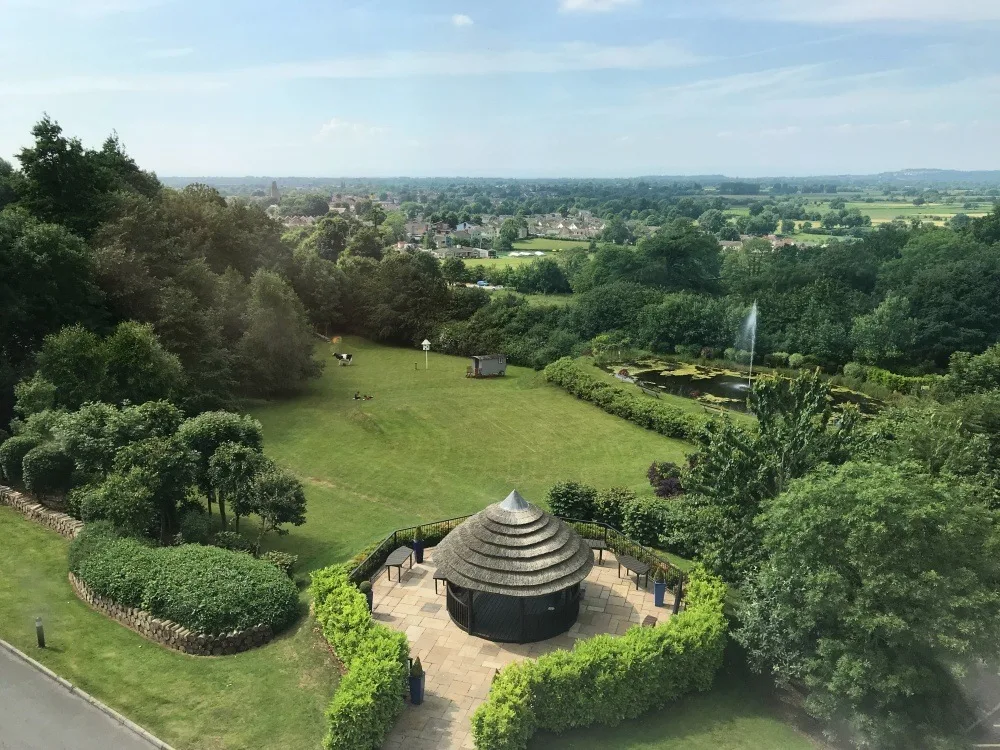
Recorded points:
(865, 551)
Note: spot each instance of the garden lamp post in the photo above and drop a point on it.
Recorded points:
(427, 347)
(39, 632)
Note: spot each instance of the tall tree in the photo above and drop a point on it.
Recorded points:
(878, 583)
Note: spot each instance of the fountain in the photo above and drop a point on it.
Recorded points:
(749, 331)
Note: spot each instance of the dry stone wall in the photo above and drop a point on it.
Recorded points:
(35, 511)
(170, 634)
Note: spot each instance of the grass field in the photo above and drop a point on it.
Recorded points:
(271, 697)
(434, 444)
(548, 299)
(505, 260)
(550, 243)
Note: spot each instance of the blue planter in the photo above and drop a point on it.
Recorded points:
(418, 550)
(659, 589)
(417, 689)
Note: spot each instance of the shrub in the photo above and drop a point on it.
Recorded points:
(854, 371)
(607, 679)
(47, 470)
(12, 453)
(729, 354)
(206, 589)
(370, 694)
(653, 415)
(665, 478)
(283, 561)
(572, 500)
(776, 359)
(795, 361)
(195, 527)
(610, 505)
(643, 520)
(213, 590)
(232, 541)
(92, 536)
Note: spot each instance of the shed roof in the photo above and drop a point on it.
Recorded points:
(514, 548)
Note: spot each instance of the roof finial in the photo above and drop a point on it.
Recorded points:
(514, 501)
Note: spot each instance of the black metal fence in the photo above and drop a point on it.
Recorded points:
(369, 568)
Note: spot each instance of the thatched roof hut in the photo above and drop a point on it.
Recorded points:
(513, 572)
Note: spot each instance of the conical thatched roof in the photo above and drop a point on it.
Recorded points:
(514, 548)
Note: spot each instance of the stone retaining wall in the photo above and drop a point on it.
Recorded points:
(35, 511)
(170, 634)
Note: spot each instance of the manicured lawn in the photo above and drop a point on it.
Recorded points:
(271, 697)
(550, 243)
(736, 714)
(434, 444)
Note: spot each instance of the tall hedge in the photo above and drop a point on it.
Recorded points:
(12, 453)
(614, 399)
(206, 589)
(370, 695)
(607, 679)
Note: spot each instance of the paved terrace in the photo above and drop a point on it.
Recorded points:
(460, 667)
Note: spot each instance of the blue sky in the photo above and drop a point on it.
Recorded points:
(511, 87)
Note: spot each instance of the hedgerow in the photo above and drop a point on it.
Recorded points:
(653, 415)
(206, 589)
(370, 695)
(607, 679)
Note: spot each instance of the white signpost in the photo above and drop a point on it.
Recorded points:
(427, 347)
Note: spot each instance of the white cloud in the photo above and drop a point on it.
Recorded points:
(567, 57)
(460, 19)
(163, 54)
(862, 11)
(338, 129)
(593, 6)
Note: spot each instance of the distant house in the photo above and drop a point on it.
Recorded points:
(730, 244)
(487, 366)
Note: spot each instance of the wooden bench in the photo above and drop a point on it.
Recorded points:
(633, 566)
(396, 559)
(439, 576)
(649, 391)
(598, 545)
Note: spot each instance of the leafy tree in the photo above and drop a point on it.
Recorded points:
(987, 228)
(319, 284)
(232, 471)
(366, 242)
(886, 335)
(277, 498)
(968, 373)
(205, 433)
(713, 220)
(330, 237)
(454, 270)
(275, 352)
(33, 395)
(878, 582)
(168, 469)
(616, 231)
(736, 469)
(125, 499)
(139, 369)
(75, 361)
(677, 257)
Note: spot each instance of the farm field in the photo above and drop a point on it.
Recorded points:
(500, 262)
(271, 697)
(434, 444)
(550, 243)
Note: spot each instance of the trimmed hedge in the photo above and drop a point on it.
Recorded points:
(12, 453)
(206, 589)
(370, 694)
(607, 679)
(651, 414)
(46, 470)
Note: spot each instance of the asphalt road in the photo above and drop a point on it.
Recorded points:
(37, 713)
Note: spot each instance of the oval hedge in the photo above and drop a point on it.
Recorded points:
(12, 453)
(205, 589)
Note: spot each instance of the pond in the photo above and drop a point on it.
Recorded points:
(716, 387)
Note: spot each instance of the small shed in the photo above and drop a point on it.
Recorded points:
(488, 366)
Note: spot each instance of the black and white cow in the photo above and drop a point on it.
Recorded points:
(345, 359)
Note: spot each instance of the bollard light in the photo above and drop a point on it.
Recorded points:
(39, 632)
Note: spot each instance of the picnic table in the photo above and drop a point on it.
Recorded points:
(396, 559)
(599, 545)
(633, 566)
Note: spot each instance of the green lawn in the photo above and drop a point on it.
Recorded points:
(434, 444)
(732, 716)
(548, 299)
(505, 260)
(550, 243)
(271, 697)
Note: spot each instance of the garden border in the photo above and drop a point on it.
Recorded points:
(167, 632)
